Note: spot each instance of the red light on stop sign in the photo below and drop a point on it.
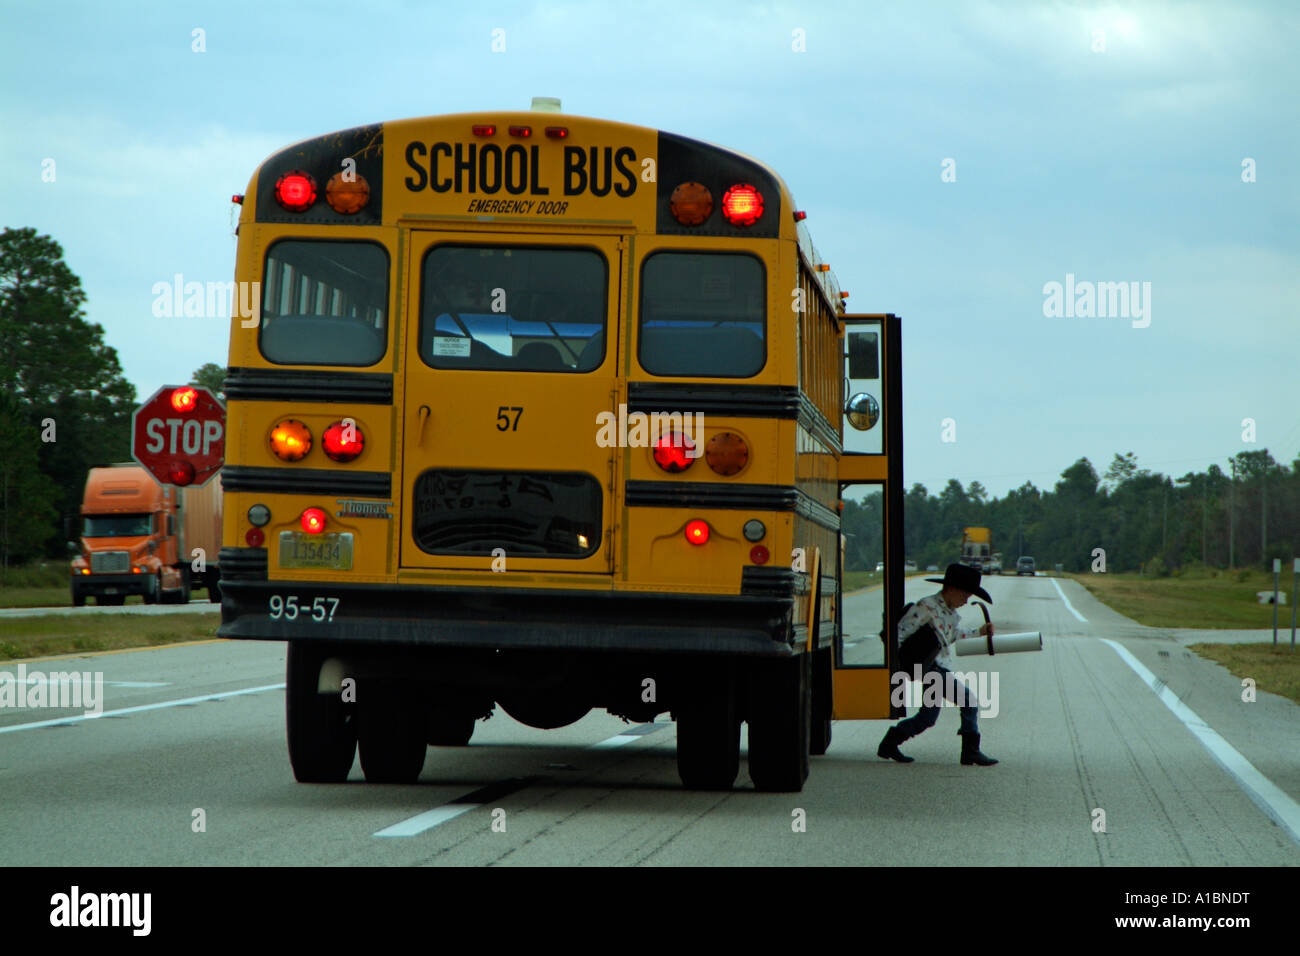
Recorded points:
(313, 521)
(184, 399)
(180, 473)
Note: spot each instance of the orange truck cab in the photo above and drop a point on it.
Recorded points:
(139, 537)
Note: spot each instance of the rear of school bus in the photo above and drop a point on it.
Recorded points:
(517, 425)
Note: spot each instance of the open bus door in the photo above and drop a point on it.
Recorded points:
(871, 522)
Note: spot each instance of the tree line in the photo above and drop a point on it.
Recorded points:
(1127, 519)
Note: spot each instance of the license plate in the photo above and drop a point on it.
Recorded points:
(331, 551)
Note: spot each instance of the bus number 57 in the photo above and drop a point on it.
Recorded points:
(503, 419)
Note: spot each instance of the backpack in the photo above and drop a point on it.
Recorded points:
(922, 646)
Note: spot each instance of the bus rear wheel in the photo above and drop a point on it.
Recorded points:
(708, 734)
(450, 727)
(322, 729)
(779, 724)
(390, 733)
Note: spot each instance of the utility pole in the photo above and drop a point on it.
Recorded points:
(1232, 514)
(1263, 515)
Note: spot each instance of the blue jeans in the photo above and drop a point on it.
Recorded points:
(958, 693)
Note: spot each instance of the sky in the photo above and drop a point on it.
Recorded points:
(954, 159)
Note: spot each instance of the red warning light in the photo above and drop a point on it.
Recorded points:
(184, 400)
(742, 205)
(295, 191)
(697, 531)
(180, 473)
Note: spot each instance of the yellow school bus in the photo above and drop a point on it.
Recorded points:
(546, 412)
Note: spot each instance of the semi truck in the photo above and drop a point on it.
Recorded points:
(140, 537)
(976, 551)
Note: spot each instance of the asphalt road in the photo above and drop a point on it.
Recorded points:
(1078, 730)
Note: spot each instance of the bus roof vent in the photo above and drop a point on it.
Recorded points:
(546, 104)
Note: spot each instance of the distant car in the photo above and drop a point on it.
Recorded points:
(880, 566)
(1025, 566)
(932, 567)
(909, 565)
(994, 566)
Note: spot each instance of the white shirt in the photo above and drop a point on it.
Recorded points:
(934, 610)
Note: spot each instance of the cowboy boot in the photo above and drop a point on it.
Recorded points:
(888, 748)
(970, 752)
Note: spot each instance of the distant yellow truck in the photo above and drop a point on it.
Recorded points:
(977, 551)
(139, 537)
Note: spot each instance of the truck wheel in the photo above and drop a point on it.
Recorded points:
(390, 732)
(708, 732)
(78, 599)
(213, 580)
(779, 721)
(449, 727)
(155, 592)
(322, 729)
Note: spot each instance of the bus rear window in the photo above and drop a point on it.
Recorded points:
(702, 314)
(522, 309)
(324, 303)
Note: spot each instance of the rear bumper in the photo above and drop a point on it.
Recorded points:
(491, 618)
(93, 584)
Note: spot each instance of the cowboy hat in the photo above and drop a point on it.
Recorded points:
(963, 578)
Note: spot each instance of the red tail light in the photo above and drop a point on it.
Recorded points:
(254, 537)
(184, 399)
(697, 531)
(671, 452)
(313, 521)
(759, 554)
(742, 205)
(557, 132)
(343, 441)
(485, 129)
(295, 191)
(521, 131)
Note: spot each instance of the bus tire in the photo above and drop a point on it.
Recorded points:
(390, 733)
(449, 727)
(779, 719)
(708, 733)
(322, 729)
(819, 740)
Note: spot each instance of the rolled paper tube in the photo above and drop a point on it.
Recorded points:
(1002, 644)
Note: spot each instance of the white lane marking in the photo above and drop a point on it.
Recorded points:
(427, 820)
(449, 811)
(1067, 601)
(139, 709)
(1279, 807)
(49, 682)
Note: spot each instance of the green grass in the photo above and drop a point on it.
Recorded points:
(1211, 599)
(1274, 669)
(67, 634)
